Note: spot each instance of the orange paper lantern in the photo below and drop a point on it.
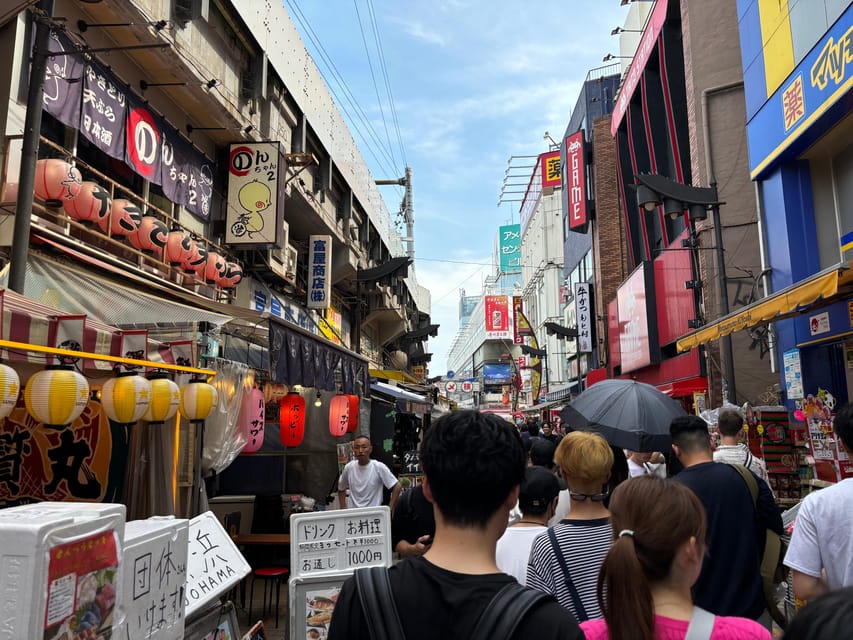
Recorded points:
(91, 204)
(124, 219)
(212, 269)
(291, 418)
(232, 277)
(343, 415)
(151, 235)
(56, 180)
(179, 247)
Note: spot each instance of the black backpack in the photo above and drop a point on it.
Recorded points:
(498, 621)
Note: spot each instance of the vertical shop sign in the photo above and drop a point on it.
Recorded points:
(584, 316)
(497, 318)
(253, 216)
(518, 331)
(550, 169)
(575, 182)
(104, 112)
(509, 248)
(319, 272)
(793, 374)
(62, 87)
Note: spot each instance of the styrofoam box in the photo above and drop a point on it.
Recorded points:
(154, 579)
(77, 510)
(59, 573)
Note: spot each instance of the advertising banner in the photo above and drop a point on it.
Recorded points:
(62, 87)
(509, 248)
(104, 112)
(638, 341)
(187, 175)
(575, 182)
(497, 318)
(253, 216)
(583, 306)
(518, 319)
(143, 151)
(319, 272)
(550, 163)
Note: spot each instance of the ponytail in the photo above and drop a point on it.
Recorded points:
(624, 594)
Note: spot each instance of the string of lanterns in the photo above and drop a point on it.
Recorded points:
(58, 182)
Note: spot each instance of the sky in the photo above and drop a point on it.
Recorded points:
(472, 83)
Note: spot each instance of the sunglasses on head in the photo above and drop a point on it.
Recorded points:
(593, 497)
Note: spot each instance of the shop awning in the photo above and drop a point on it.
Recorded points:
(778, 306)
(680, 388)
(393, 374)
(397, 392)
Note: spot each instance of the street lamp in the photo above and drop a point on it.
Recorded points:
(654, 190)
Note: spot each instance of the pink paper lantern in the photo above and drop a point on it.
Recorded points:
(124, 219)
(91, 204)
(233, 276)
(214, 268)
(151, 236)
(251, 419)
(178, 247)
(343, 415)
(56, 180)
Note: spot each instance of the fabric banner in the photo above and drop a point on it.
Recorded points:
(187, 175)
(63, 88)
(299, 359)
(104, 112)
(143, 147)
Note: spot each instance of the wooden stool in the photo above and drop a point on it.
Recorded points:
(268, 574)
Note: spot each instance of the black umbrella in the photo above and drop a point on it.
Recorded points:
(629, 414)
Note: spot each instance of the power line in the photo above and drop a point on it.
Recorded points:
(384, 67)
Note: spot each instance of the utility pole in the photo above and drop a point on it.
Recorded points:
(407, 209)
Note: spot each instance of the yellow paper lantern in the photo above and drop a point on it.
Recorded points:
(197, 400)
(165, 400)
(10, 386)
(126, 397)
(56, 396)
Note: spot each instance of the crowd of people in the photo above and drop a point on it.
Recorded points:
(607, 545)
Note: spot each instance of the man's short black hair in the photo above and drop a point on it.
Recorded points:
(533, 428)
(730, 422)
(542, 454)
(827, 617)
(843, 425)
(690, 434)
(472, 461)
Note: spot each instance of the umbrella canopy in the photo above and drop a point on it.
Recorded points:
(629, 414)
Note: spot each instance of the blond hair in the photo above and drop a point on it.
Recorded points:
(585, 457)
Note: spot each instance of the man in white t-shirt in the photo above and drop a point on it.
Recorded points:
(641, 463)
(732, 451)
(821, 550)
(365, 479)
(537, 499)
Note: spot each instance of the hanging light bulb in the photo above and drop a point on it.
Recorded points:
(318, 401)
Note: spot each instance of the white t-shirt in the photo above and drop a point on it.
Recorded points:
(561, 511)
(513, 550)
(635, 469)
(821, 538)
(365, 482)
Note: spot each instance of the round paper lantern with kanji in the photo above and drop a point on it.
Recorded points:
(91, 204)
(56, 180)
(10, 385)
(197, 256)
(252, 419)
(165, 399)
(126, 397)
(214, 268)
(124, 219)
(56, 396)
(232, 277)
(291, 418)
(198, 400)
(343, 415)
(179, 247)
(151, 235)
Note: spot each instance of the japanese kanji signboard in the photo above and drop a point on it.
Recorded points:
(339, 541)
(584, 316)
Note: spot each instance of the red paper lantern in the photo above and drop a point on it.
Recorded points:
(343, 415)
(196, 255)
(291, 419)
(124, 219)
(251, 419)
(56, 180)
(214, 268)
(91, 204)
(178, 247)
(233, 276)
(151, 235)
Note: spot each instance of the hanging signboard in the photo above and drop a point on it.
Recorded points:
(574, 178)
(319, 272)
(584, 316)
(497, 318)
(253, 216)
(104, 111)
(793, 374)
(509, 248)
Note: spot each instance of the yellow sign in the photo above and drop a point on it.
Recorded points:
(419, 371)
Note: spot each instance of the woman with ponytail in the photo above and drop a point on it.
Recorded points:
(644, 584)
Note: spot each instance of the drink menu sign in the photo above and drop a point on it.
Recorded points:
(333, 542)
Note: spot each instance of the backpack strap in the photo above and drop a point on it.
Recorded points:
(377, 603)
(749, 479)
(701, 625)
(507, 608)
(580, 610)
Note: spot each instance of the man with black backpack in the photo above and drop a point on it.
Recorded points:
(473, 465)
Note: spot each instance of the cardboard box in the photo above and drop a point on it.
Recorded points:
(59, 573)
(154, 579)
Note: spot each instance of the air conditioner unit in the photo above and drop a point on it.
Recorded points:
(291, 255)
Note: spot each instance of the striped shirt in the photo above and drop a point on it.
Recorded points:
(584, 544)
(740, 454)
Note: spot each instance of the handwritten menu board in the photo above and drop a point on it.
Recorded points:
(339, 541)
(214, 564)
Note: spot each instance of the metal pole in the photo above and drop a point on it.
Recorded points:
(724, 295)
(29, 151)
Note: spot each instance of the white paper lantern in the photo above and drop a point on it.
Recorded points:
(56, 396)
(126, 397)
(10, 386)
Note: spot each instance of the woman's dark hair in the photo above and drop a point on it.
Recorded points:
(661, 515)
(827, 617)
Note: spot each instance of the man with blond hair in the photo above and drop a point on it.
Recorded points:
(564, 561)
